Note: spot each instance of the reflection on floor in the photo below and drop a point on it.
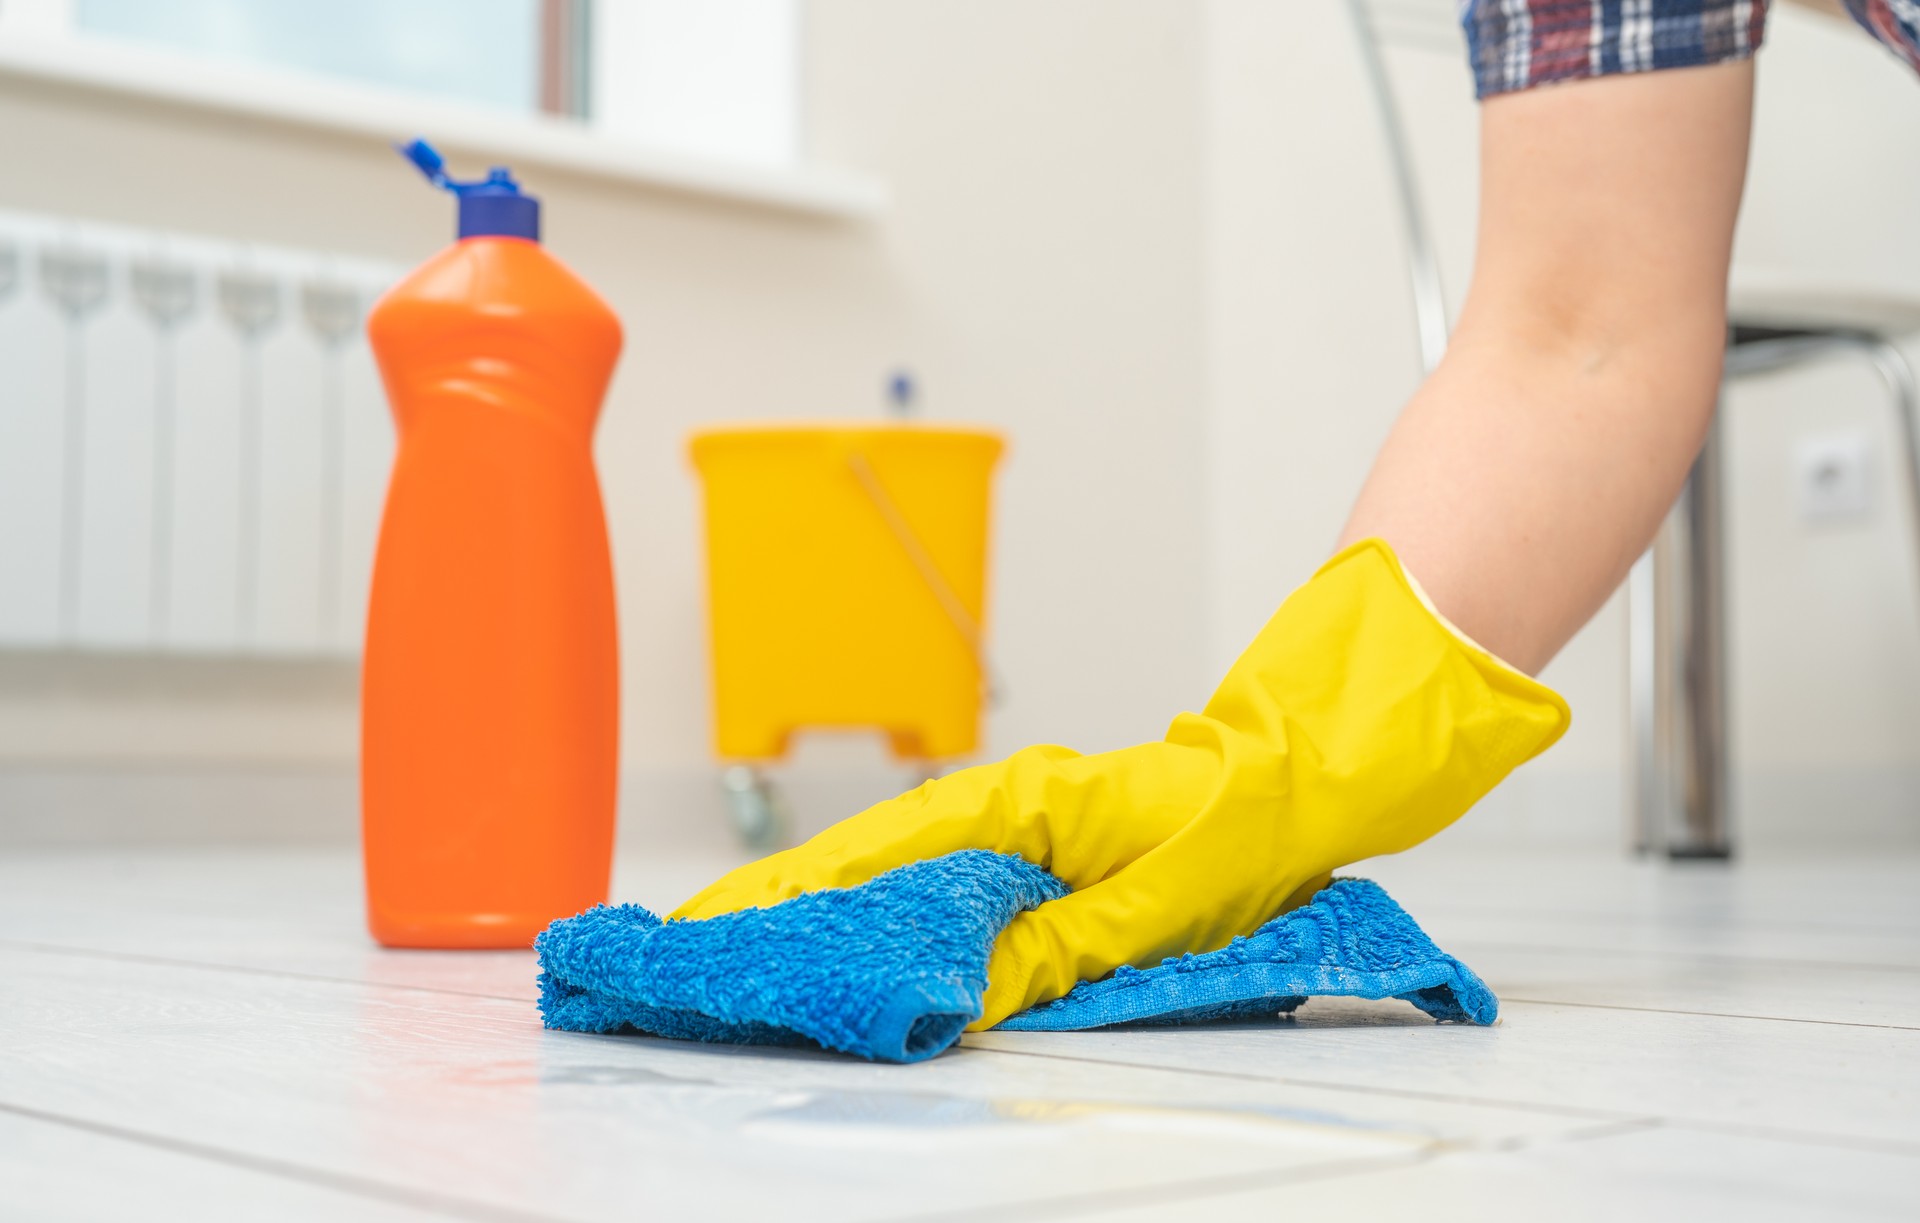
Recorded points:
(209, 1034)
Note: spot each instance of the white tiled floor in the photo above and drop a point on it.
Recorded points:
(209, 1034)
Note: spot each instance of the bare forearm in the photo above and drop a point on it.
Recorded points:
(1520, 485)
(1535, 464)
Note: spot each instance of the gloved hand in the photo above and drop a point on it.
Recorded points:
(1358, 723)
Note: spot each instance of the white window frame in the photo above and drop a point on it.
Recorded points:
(702, 77)
(730, 129)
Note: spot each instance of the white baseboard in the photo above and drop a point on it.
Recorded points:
(681, 807)
(1828, 808)
(312, 804)
(159, 804)
(1548, 809)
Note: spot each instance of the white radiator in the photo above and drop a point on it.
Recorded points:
(193, 442)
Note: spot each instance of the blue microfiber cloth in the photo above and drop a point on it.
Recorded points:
(895, 969)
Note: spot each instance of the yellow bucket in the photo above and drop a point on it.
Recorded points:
(846, 582)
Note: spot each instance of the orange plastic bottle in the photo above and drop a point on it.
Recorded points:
(490, 688)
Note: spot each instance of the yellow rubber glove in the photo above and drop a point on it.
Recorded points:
(1358, 723)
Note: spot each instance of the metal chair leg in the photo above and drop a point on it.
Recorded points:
(1677, 613)
(1677, 673)
(1897, 372)
(1702, 831)
(1646, 790)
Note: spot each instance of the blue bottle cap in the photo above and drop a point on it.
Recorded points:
(494, 205)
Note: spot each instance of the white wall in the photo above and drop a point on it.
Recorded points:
(1152, 241)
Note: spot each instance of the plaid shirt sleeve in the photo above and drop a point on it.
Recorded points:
(1894, 22)
(1518, 44)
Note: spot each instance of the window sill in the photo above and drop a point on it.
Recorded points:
(301, 100)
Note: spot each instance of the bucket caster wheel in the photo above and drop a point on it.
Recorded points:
(758, 815)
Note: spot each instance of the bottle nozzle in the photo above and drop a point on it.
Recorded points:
(428, 159)
(493, 205)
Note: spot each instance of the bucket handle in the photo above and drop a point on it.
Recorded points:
(992, 692)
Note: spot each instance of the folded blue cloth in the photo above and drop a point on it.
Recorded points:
(891, 970)
(896, 968)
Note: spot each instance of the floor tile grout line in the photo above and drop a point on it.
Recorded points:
(1174, 1192)
(1212, 1187)
(339, 1182)
(134, 957)
(1598, 1116)
(1882, 1146)
(1773, 1134)
(289, 974)
(1556, 1110)
(1597, 1132)
(1439, 914)
(1605, 1121)
(1666, 1010)
(1724, 957)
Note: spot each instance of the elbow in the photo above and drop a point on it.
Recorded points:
(1651, 340)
